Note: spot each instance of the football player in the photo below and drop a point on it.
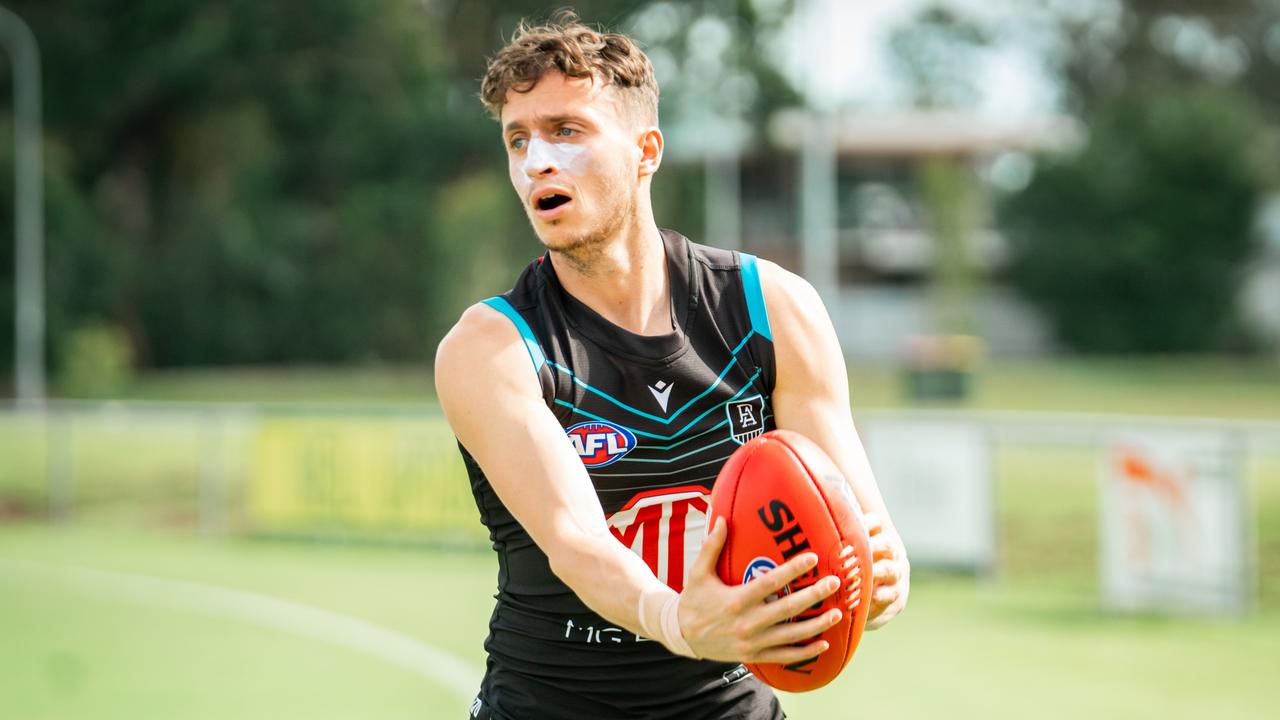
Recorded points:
(595, 402)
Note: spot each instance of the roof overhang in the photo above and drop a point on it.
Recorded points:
(927, 133)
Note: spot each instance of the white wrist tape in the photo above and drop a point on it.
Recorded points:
(660, 620)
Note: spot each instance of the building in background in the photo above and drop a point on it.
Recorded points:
(887, 250)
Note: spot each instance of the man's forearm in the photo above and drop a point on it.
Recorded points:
(605, 575)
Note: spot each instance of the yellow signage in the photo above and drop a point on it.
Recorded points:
(395, 475)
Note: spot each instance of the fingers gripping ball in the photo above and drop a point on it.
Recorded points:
(782, 496)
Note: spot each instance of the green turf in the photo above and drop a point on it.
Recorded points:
(1014, 650)
(1009, 648)
(81, 653)
(90, 657)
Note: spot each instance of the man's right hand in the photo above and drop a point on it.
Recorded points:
(733, 623)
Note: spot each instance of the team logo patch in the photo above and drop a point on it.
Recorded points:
(600, 443)
(759, 567)
(746, 418)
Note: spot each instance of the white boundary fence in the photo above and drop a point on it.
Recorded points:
(1176, 522)
(393, 471)
(68, 455)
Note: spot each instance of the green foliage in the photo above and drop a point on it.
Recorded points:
(1138, 242)
(1151, 43)
(477, 215)
(936, 54)
(97, 362)
(950, 195)
(247, 182)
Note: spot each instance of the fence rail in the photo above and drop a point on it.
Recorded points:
(293, 467)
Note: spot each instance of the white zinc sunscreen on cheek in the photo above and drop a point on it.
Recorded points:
(540, 156)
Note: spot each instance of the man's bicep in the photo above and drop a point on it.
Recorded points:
(535, 472)
(490, 394)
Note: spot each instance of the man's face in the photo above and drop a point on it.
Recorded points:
(573, 157)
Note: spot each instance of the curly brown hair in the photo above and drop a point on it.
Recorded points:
(567, 46)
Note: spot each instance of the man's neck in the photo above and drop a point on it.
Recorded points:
(627, 282)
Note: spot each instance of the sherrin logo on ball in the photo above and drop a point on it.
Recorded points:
(600, 443)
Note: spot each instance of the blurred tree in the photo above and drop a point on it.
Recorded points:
(96, 362)
(935, 53)
(1138, 243)
(952, 196)
(245, 182)
(1110, 49)
(242, 181)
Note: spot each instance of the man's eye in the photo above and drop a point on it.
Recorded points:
(517, 143)
(566, 132)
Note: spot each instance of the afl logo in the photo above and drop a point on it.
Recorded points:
(600, 443)
(758, 567)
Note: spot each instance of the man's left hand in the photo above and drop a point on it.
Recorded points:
(890, 571)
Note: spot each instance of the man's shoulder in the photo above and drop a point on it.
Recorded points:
(480, 322)
(477, 339)
(785, 289)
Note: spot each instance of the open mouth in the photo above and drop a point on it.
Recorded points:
(551, 201)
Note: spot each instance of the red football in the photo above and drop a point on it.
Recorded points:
(782, 495)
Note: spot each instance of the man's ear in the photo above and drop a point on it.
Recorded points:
(650, 145)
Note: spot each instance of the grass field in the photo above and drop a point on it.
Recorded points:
(128, 613)
(85, 648)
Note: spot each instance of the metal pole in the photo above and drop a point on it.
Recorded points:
(213, 475)
(28, 206)
(722, 187)
(819, 255)
(59, 463)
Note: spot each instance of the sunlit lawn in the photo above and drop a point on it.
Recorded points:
(1009, 647)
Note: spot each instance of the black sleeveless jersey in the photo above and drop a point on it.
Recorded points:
(653, 418)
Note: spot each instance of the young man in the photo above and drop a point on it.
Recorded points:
(595, 402)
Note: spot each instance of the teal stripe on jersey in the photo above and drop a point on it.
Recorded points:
(755, 296)
(643, 414)
(500, 304)
(677, 457)
(678, 433)
(651, 473)
(691, 438)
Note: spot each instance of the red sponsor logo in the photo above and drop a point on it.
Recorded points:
(665, 528)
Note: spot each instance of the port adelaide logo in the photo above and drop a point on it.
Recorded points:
(600, 443)
(746, 418)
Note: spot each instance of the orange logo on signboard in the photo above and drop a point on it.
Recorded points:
(1138, 471)
(1161, 525)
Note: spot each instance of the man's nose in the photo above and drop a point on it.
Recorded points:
(540, 160)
